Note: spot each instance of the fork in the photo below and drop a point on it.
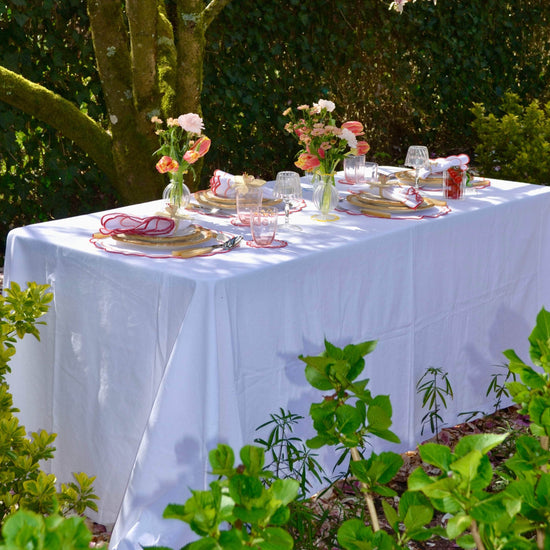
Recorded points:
(192, 252)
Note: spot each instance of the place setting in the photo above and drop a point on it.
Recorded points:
(429, 174)
(160, 237)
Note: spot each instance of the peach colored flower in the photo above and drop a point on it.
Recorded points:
(198, 150)
(354, 126)
(307, 161)
(167, 164)
(362, 147)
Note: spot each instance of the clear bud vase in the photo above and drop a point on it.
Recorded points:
(177, 197)
(325, 197)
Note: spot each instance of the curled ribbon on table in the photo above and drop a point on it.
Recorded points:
(114, 224)
(408, 196)
(439, 165)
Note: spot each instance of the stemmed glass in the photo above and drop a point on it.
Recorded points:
(417, 158)
(288, 187)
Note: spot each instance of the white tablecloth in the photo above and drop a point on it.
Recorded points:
(147, 364)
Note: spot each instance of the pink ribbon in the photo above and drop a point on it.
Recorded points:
(113, 224)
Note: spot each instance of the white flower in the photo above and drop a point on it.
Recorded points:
(349, 136)
(191, 122)
(326, 104)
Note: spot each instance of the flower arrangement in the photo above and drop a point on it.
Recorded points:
(324, 144)
(181, 145)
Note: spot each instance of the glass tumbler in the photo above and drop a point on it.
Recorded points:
(248, 201)
(353, 169)
(263, 225)
(454, 182)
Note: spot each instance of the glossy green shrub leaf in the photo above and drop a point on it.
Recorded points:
(540, 341)
(479, 442)
(253, 459)
(353, 534)
(222, 460)
(275, 538)
(437, 455)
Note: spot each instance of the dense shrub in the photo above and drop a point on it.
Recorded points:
(516, 144)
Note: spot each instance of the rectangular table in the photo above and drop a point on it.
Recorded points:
(146, 364)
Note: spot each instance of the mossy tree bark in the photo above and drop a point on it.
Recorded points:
(147, 65)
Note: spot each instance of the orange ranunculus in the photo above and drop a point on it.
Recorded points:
(167, 164)
(198, 150)
(307, 161)
(362, 147)
(354, 126)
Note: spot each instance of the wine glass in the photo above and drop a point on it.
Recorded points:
(417, 158)
(288, 187)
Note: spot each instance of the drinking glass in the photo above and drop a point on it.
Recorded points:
(247, 202)
(288, 187)
(370, 172)
(263, 225)
(353, 168)
(454, 182)
(417, 158)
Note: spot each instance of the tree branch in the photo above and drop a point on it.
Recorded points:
(59, 113)
(212, 11)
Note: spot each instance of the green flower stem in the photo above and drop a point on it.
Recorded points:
(368, 497)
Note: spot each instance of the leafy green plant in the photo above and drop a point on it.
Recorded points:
(289, 456)
(27, 530)
(436, 387)
(22, 483)
(499, 388)
(514, 144)
(239, 498)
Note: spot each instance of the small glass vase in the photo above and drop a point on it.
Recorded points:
(325, 197)
(177, 197)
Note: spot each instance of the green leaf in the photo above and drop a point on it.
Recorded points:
(275, 538)
(253, 459)
(222, 459)
(243, 488)
(437, 455)
(457, 525)
(489, 510)
(285, 490)
(539, 339)
(348, 419)
(391, 515)
(316, 372)
(480, 442)
(467, 466)
(353, 534)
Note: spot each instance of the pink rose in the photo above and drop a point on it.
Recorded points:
(354, 126)
(191, 122)
(307, 162)
(167, 164)
(362, 147)
(198, 150)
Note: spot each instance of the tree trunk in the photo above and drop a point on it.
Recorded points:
(145, 69)
(133, 134)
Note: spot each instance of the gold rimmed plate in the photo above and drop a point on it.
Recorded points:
(208, 198)
(384, 205)
(194, 235)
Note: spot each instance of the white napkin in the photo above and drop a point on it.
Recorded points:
(408, 196)
(439, 165)
(155, 226)
(222, 184)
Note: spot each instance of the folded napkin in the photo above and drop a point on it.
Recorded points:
(439, 165)
(226, 185)
(113, 224)
(222, 184)
(408, 196)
